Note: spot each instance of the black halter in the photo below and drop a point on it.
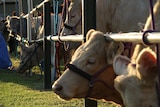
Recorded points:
(79, 72)
(72, 28)
(91, 78)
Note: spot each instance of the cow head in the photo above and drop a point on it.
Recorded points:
(137, 82)
(96, 55)
(30, 56)
(72, 24)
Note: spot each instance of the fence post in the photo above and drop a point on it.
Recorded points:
(47, 46)
(88, 22)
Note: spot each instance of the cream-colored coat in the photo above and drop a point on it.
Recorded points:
(91, 57)
(111, 15)
(136, 82)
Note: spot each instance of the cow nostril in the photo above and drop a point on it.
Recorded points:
(57, 88)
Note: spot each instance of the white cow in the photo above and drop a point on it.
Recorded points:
(148, 26)
(136, 82)
(137, 77)
(112, 16)
(95, 58)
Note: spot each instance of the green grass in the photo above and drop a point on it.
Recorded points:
(17, 90)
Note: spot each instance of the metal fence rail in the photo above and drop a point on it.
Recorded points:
(74, 38)
(135, 37)
(37, 7)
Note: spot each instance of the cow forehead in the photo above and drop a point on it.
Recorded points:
(89, 49)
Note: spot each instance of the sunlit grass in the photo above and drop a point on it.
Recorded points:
(17, 90)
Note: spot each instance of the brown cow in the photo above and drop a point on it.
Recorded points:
(94, 58)
(136, 82)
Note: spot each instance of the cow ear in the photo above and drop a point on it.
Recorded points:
(114, 49)
(89, 33)
(120, 64)
(147, 64)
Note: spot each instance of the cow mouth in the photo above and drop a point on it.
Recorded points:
(63, 97)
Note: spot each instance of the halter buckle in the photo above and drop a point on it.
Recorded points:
(91, 83)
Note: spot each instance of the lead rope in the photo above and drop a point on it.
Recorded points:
(58, 44)
(58, 30)
(158, 58)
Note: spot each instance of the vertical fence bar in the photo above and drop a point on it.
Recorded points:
(157, 48)
(88, 22)
(4, 8)
(47, 46)
(158, 63)
(29, 21)
(88, 15)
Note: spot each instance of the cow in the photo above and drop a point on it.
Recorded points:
(136, 81)
(30, 56)
(111, 16)
(137, 77)
(93, 61)
(39, 36)
(149, 26)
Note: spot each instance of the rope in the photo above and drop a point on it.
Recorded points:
(57, 44)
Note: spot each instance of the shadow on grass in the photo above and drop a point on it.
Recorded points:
(34, 82)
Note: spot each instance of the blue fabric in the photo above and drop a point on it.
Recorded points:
(5, 61)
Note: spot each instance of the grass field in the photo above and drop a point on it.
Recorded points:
(17, 90)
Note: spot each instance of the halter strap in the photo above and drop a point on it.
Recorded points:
(90, 78)
(79, 71)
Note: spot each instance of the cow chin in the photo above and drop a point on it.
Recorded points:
(64, 98)
(68, 97)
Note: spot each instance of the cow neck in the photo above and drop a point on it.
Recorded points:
(73, 28)
(91, 78)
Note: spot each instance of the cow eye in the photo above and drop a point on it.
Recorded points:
(91, 61)
(72, 16)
